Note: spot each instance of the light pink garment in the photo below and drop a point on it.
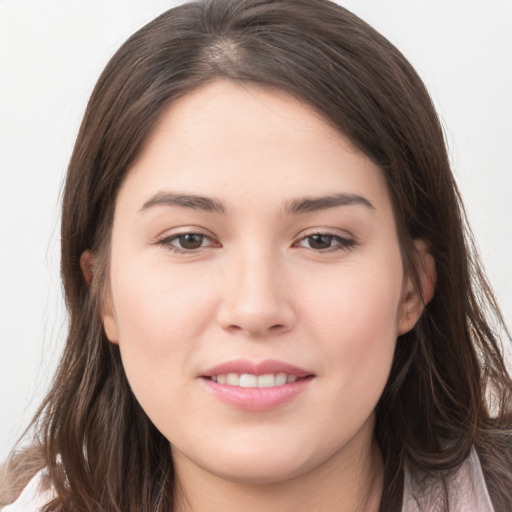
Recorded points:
(34, 497)
(467, 492)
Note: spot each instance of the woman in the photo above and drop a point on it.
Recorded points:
(273, 301)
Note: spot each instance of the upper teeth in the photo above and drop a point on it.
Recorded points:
(248, 380)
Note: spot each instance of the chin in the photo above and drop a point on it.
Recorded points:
(261, 464)
(264, 473)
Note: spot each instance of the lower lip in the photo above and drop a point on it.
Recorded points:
(257, 399)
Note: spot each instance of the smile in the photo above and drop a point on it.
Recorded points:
(256, 386)
(248, 380)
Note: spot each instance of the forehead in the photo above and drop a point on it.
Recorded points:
(225, 138)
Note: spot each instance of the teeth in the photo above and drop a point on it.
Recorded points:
(281, 379)
(266, 381)
(248, 380)
(233, 379)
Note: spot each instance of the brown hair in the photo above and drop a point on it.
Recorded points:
(101, 450)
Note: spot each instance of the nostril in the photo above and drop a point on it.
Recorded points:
(276, 328)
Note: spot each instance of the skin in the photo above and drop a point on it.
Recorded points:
(259, 288)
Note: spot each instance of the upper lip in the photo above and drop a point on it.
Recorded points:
(241, 366)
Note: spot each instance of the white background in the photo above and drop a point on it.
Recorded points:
(51, 54)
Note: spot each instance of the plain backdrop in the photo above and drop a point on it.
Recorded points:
(51, 54)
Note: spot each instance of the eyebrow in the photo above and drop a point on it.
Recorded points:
(293, 207)
(312, 204)
(195, 202)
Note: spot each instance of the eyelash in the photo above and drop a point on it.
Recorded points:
(343, 243)
(167, 242)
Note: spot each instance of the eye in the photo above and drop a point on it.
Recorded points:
(190, 241)
(187, 242)
(325, 242)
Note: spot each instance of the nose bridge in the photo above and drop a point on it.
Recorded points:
(255, 300)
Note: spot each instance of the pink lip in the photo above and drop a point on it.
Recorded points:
(256, 368)
(256, 399)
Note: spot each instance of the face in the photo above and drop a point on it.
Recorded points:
(256, 287)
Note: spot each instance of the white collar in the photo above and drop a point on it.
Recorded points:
(464, 491)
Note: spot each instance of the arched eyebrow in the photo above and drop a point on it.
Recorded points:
(195, 202)
(311, 204)
(293, 207)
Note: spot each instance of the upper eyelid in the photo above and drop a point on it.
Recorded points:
(341, 239)
(175, 236)
(170, 234)
(184, 230)
(169, 243)
(334, 232)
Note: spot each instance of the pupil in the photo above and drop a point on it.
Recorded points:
(320, 241)
(191, 241)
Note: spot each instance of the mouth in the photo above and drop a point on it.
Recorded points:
(256, 386)
(249, 380)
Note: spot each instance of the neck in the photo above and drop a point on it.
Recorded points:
(347, 482)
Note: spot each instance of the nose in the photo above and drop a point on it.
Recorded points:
(256, 299)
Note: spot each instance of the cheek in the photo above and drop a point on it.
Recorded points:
(156, 308)
(355, 321)
(160, 316)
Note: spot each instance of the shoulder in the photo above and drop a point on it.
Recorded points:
(34, 496)
(464, 489)
(495, 454)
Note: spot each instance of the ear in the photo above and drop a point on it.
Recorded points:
(109, 319)
(87, 260)
(87, 266)
(414, 300)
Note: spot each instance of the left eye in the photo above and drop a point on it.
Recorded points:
(322, 242)
(186, 242)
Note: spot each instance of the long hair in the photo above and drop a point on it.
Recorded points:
(448, 390)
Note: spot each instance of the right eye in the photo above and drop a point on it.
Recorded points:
(187, 242)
